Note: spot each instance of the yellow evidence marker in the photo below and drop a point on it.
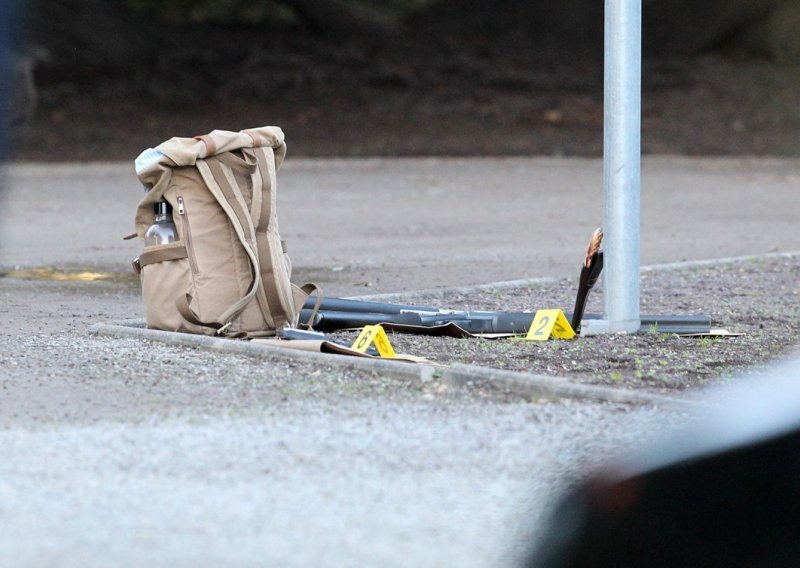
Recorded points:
(374, 334)
(549, 323)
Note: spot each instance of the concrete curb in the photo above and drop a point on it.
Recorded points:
(543, 386)
(463, 376)
(721, 260)
(137, 329)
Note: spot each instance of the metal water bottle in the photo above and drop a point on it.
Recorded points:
(163, 230)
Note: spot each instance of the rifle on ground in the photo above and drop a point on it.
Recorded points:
(342, 313)
(475, 323)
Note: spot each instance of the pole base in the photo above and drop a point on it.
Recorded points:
(602, 326)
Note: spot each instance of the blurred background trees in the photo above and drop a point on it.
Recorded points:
(530, 65)
(113, 33)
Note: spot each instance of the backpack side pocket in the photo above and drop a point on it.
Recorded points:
(166, 275)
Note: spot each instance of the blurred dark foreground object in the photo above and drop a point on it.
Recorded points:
(724, 494)
(9, 30)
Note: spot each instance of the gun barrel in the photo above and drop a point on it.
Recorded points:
(361, 306)
(329, 320)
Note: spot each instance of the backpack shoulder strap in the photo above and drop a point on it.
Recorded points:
(275, 272)
(224, 189)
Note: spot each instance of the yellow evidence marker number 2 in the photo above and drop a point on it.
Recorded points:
(547, 323)
(374, 334)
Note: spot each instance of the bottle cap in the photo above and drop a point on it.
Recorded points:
(162, 208)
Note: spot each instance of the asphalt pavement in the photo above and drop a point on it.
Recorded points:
(122, 451)
(376, 225)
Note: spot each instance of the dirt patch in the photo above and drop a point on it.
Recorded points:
(425, 92)
(758, 298)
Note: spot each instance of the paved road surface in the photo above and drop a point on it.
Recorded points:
(123, 452)
(369, 226)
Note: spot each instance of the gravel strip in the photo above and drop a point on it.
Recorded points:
(758, 297)
(755, 296)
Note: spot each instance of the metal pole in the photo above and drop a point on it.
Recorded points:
(621, 163)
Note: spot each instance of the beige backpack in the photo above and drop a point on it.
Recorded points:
(228, 273)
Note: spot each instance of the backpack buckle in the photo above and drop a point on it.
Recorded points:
(224, 329)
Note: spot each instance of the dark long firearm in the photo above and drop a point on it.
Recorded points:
(361, 306)
(483, 322)
(472, 322)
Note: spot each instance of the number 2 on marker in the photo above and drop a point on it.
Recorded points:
(543, 321)
(549, 322)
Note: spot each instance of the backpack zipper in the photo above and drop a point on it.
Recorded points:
(187, 233)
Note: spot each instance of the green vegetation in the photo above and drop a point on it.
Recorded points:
(706, 341)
